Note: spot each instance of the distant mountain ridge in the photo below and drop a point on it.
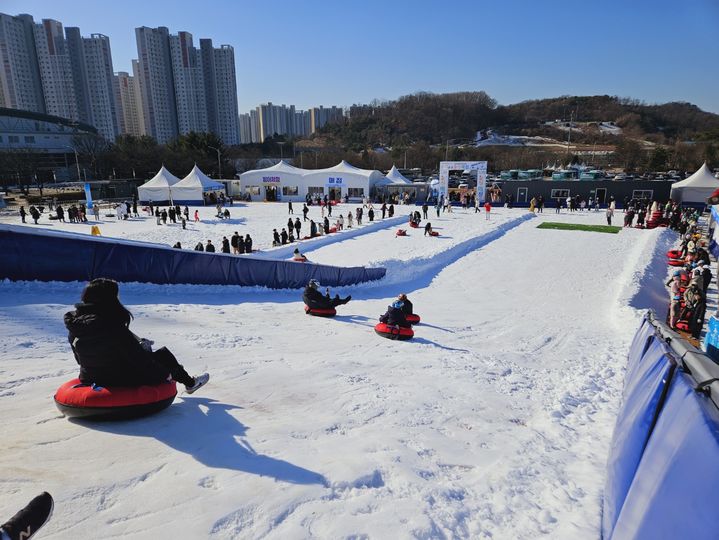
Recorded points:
(435, 118)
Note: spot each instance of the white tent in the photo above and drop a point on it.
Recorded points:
(157, 189)
(285, 182)
(191, 189)
(697, 188)
(394, 177)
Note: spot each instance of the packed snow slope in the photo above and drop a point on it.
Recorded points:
(493, 422)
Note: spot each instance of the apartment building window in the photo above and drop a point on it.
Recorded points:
(30, 139)
(13, 139)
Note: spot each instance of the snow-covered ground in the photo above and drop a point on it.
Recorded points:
(494, 422)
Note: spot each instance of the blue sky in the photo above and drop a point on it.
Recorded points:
(338, 53)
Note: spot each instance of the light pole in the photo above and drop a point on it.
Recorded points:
(77, 162)
(219, 163)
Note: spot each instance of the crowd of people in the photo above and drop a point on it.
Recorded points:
(689, 282)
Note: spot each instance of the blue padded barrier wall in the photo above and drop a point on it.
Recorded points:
(643, 391)
(673, 493)
(52, 256)
(664, 459)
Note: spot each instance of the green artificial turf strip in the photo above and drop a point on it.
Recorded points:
(578, 227)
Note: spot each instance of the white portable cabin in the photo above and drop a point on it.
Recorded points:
(157, 189)
(193, 188)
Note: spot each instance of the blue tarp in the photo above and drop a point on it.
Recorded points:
(53, 256)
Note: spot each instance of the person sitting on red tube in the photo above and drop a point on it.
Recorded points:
(109, 354)
(395, 316)
(314, 299)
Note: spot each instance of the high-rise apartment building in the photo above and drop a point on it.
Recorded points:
(218, 66)
(189, 84)
(55, 70)
(199, 85)
(156, 83)
(91, 60)
(268, 120)
(319, 116)
(20, 83)
(129, 106)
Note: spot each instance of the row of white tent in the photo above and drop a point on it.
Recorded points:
(165, 186)
(287, 182)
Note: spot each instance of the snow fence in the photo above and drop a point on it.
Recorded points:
(44, 255)
(664, 461)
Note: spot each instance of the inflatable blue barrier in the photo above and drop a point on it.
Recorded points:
(664, 457)
(672, 492)
(44, 255)
(643, 394)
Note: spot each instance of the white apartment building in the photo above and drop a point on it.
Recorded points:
(20, 83)
(128, 105)
(227, 124)
(91, 60)
(55, 70)
(156, 83)
(189, 84)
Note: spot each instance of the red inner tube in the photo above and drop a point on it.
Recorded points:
(76, 394)
(330, 312)
(412, 318)
(393, 332)
(675, 262)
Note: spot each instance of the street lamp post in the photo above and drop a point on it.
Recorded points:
(219, 163)
(77, 162)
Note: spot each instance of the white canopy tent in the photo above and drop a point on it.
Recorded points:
(285, 182)
(157, 189)
(697, 188)
(394, 178)
(192, 188)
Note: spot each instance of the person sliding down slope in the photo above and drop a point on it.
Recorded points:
(109, 354)
(314, 299)
(395, 316)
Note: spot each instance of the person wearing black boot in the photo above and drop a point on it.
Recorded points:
(28, 521)
(108, 353)
(314, 299)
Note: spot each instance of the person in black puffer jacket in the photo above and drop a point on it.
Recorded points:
(314, 299)
(109, 354)
(395, 316)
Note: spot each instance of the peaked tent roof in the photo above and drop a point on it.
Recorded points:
(283, 166)
(163, 178)
(396, 177)
(697, 188)
(702, 178)
(197, 178)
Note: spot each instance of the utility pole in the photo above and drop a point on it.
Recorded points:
(569, 135)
